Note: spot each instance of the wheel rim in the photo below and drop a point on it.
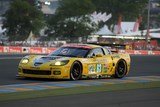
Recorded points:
(76, 72)
(121, 69)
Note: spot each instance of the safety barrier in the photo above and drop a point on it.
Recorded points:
(47, 50)
(140, 52)
(18, 49)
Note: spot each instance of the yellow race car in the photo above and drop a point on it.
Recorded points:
(75, 61)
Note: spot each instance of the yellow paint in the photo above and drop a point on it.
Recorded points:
(108, 60)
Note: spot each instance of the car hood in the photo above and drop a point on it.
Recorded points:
(44, 59)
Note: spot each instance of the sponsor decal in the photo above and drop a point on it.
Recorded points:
(25, 49)
(150, 52)
(1, 49)
(100, 60)
(116, 56)
(44, 50)
(91, 69)
(5, 49)
(105, 68)
(78, 46)
(65, 51)
(37, 50)
(84, 60)
(14, 49)
(99, 67)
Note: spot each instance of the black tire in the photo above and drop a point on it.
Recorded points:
(76, 71)
(121, 69)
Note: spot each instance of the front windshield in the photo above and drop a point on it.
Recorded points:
(70, 52)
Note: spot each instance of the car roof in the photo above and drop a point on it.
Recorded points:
(85, 46)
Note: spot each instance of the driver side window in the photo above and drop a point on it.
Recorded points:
(95, 52)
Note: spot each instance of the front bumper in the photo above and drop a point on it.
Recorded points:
(55, 72)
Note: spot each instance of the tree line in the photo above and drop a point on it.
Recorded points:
(71, 19)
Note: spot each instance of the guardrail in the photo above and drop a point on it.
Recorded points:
(47, 50)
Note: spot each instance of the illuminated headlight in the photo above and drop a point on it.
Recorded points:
(60, 63)
(25, 61)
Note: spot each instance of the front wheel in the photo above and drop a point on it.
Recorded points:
(76, 71)
(121, 69)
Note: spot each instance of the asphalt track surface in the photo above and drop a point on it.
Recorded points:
(140, 66)
(130, 98)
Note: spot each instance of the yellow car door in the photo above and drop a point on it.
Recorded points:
(99, 62)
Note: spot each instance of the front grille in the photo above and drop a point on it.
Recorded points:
(37, 72)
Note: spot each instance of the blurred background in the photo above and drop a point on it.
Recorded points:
(121, 24)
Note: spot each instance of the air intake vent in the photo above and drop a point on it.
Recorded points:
(36, 72)
(37, 63)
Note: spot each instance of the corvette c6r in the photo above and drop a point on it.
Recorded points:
(75, 62)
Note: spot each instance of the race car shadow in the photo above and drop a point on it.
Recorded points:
(58, 80)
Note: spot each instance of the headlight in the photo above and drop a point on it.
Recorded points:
(60, 63)
(25, 61)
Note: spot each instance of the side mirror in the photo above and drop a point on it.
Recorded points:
(99, 55)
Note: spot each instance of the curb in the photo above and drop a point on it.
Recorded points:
(71, 84)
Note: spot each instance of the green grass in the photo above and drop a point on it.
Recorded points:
(77, 90)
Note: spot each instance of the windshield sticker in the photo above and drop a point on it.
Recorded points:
(99, 67)
(78, 46)
(65, 51)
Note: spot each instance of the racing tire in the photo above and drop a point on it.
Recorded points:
(76, 71)
(121, 69)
